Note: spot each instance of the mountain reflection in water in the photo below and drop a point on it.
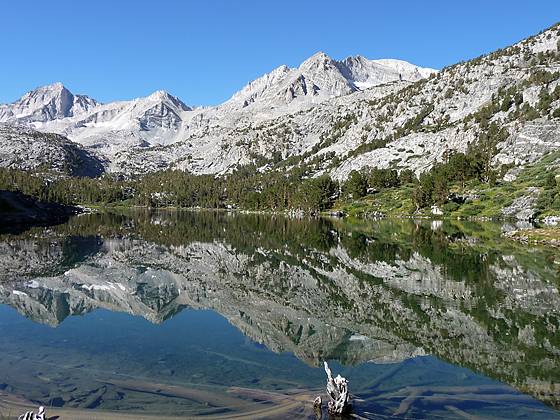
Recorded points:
(425, 319)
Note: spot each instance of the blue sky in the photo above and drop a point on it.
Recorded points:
(203, 51)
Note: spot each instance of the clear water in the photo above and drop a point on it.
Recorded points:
(184, 314)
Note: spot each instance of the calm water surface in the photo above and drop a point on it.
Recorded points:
(183, 314)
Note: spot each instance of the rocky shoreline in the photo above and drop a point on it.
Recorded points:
(549, 236)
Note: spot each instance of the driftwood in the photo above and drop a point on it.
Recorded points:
(317, 408)
(337, 389)
(30, 415)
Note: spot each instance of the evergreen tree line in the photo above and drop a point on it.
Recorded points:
(246, 189)
(433, 186)
(371, 180)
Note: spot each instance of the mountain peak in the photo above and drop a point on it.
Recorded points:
(319, 55)
(159, 95)
(47, 103)
(164, 96)
(356, 58)
(55, 86)
(53, 89)
(317, 59)
(365, 73)
(321, 77)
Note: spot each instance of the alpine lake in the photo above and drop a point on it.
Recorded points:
(173, 314)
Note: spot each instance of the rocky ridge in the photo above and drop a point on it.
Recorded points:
(119, 131)
(31, 150)
(333, 116)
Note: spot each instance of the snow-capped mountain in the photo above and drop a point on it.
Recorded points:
(364, 73)
(320, 77)
(316, 79)
(161, 119)
(104, 128)
(47, 103)
(338, 116)
(143, 121)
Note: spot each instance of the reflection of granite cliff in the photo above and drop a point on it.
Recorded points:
(33, 257)
(320, 305)
(126, 276)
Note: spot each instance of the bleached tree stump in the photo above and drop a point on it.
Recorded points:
(337, 389)
(30, 415)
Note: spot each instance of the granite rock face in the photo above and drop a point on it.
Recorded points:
(524, 207)
(343, 115)
(31, 150)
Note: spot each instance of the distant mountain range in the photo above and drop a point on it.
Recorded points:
(163, 119)
(335, 116)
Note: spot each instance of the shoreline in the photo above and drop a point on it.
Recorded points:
(279, 405)
(543, 235)
(332, 213)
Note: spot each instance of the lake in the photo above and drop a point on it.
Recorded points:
(168, 314)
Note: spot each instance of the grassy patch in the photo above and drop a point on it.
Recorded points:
(488, 202)
(390, 202)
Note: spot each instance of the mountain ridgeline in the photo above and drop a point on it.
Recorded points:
(334, 131)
